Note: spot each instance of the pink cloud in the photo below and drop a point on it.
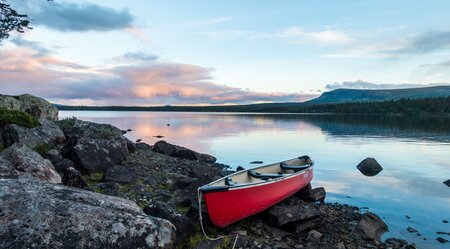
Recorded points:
(25, 69)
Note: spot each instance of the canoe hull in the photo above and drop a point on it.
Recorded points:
(227, 207)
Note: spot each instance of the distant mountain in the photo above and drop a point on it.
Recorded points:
(357, 95)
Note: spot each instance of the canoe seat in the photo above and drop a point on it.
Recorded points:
(286, 166)
(230, 182)
(255, 174)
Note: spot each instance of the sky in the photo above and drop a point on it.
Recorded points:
(222, 52)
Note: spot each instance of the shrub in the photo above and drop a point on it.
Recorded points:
(67, 123)
(17, 117)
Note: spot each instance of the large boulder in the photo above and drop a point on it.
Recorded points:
(47, 134)
(371, 227)
(177, 151)
(38, 107)
(291, 210)
(369, 167)
(41, 215)
(97, 155)
(26, 161)
(93, 147)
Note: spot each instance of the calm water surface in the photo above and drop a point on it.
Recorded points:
(413, 152)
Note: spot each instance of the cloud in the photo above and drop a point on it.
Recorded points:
(427, 42)
(65, 16)
(298, 35)
(324, 37)
(137, 56)
(37, 46)
(141, 83)
(292, 34)
(359, 84)
(418, 44)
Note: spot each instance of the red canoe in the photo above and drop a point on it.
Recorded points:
(247, 192)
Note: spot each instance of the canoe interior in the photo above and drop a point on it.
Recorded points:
(243, 178)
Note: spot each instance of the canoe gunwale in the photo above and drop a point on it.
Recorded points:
(211, 188)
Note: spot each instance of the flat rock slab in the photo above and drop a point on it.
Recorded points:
(292, 210)
(35, 214)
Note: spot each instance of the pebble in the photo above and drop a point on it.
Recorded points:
(411, 230)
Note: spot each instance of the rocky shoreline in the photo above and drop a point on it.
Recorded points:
(78, 184)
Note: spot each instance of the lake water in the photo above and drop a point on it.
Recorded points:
(413, 152)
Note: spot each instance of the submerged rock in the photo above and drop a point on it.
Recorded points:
(27, 162)
(371, 227)
(369, 167)
(447, 183)
(41, 215)
(181, 152)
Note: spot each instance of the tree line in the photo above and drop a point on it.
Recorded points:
(438, 105)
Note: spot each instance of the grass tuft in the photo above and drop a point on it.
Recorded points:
(17, 117)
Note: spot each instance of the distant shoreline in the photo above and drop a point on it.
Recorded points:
(425, 106)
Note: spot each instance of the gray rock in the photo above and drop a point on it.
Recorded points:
(308, 225)
(53, 155)
(41, 215)
(85, 129)
(371, 227)
(396, 243)
(163, 210)
(292, 210)
(143, 146)
(38, 107)
(177, 151)
(7, 169)
(447, 183)
(45, 135)
(314, 236)
(28, 162)
(120, 174)
(313, 195)
(441, 240)
(97, 155)
(109, 188)
(369, 167)
(63, 164)
(10, 103)
(340, 245)
(131, 146)
(72, 178)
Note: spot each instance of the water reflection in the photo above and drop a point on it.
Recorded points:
(412, 151)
